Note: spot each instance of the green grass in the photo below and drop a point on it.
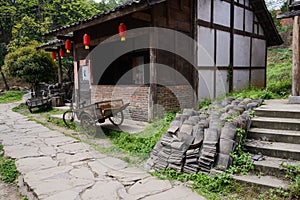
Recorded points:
(279, 71)
(254, 93)
(143, 142)
(11, 96)
(8, 170)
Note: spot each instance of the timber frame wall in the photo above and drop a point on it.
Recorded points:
(229, 37)
(232, 47)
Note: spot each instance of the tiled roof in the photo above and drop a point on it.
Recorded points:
(259, 8)
(126, 4)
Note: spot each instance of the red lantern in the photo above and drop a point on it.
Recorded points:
(61, 53)
(122, 31)
(86, 41)
(53, 56)
(68, 46)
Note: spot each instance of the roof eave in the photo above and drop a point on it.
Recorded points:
(98, 19)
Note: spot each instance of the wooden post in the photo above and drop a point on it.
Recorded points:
(296, 58)
(153, 88)
(59, 70)
(152, 92)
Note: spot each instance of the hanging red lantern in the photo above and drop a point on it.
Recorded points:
(53, 56)
(61, 53)
(86, 41)
(122, 31)
(68, 46)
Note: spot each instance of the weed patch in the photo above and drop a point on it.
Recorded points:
(8, 170)
(11, 96)
(143, 142)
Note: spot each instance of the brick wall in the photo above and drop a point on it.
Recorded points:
(137, 96)
(174, 98)
(169, 98)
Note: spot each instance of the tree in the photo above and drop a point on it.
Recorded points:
(7, 17)
(2, 53)
(25, 32)
(30, 65)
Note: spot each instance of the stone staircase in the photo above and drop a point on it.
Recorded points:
(275, 134)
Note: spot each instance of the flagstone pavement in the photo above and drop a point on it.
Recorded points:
(54, 166)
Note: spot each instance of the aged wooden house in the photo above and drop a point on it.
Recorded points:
(231, 38)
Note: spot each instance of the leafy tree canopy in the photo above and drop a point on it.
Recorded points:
(30, 65)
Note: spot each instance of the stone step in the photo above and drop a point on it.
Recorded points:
(277, 112)
(274, 149)
(274, 166)
(273, 135)
(264, 183)
(276, 123)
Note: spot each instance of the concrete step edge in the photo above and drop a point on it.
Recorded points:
(273, 145)
(275, 120)
(274, 166)
(264, 182)
(276, 110)
(274, 131)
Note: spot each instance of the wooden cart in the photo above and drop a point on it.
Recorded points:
(97, 113)
(38, 102)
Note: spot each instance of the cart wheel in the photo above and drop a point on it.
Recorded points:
(117, 119)
(28, 106)
(88, 125)
(68, 118)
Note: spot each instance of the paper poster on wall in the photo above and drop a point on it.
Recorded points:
(85, 73)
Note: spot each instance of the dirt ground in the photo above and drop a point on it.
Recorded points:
(9, 192)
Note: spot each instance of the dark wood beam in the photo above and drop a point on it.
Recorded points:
(296, 57)
(142, 16)
(65, 37)
(290, 14)
(51, 50)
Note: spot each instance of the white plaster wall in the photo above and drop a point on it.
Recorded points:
(204, 7)
(223, 48)
(222, 85)
(240, 79)
(248, 21)
(206, 84)
(258, 52)
(246, 2)
(238, 18)
(241, 51)
(258, 77)
(222, 13)
(205, 47)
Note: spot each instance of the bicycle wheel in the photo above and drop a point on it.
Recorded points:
(88, 125)
(68, 118)
(117, 119)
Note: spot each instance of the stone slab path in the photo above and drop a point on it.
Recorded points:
(54, 166)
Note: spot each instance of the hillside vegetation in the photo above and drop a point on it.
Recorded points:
(279, 71)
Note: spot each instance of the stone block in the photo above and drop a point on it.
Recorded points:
(294, 99)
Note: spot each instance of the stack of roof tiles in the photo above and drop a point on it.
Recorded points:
(201, 140)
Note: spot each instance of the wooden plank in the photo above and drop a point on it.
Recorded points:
(65, 37)
(152, 89)
(142, 16)
(59, 70)
(231, 59)
(290, 14)
(296, 57)
(194, 9)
